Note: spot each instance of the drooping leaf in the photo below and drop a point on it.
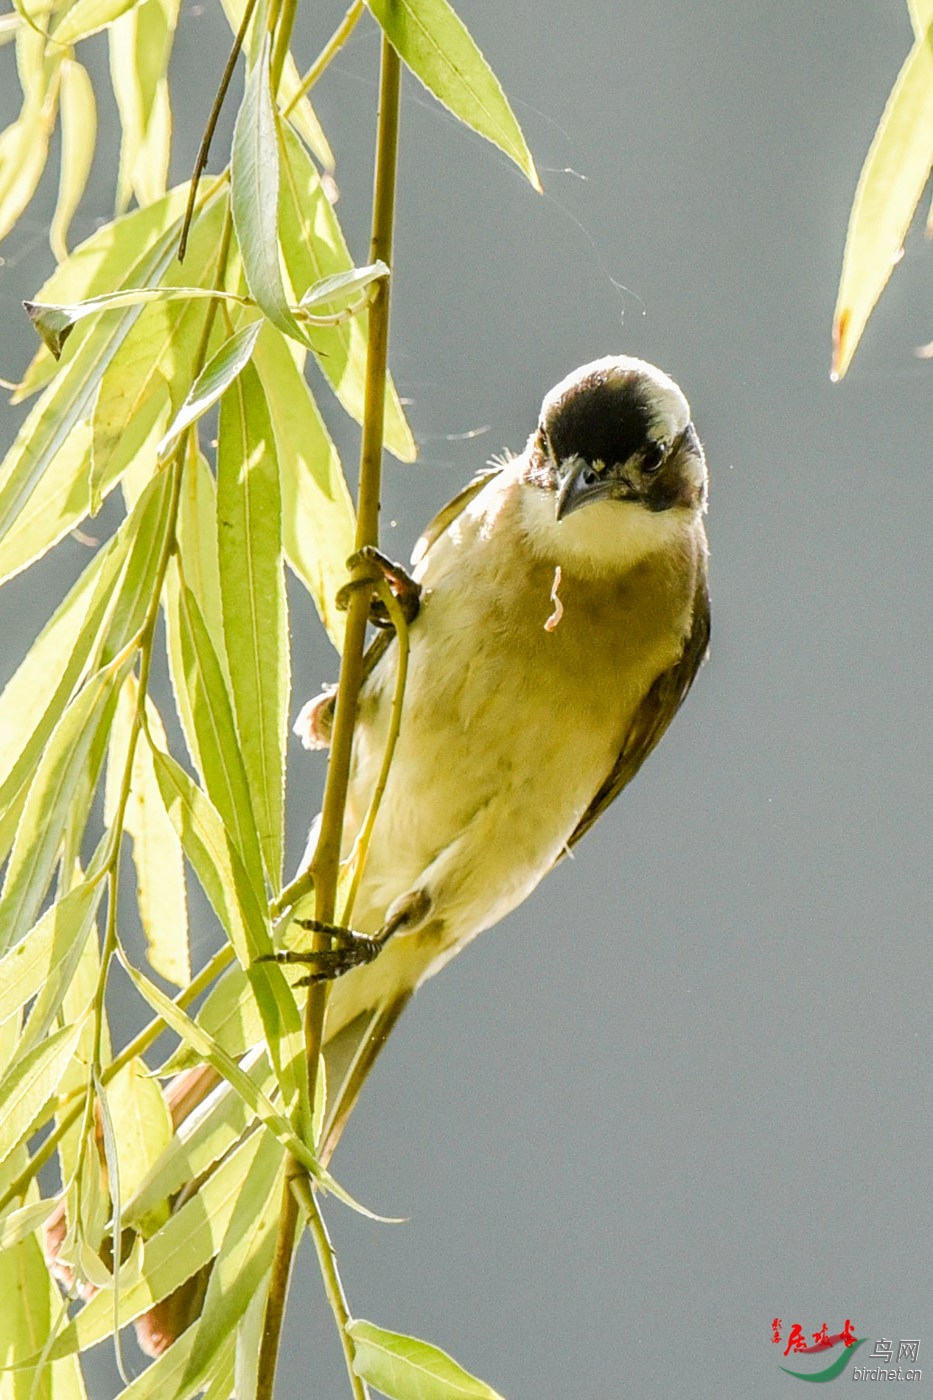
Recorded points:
(244, 1258)
(44, 962)
(157, 855)
(199, 1141)
(230, 1015)
(156, 366)
(140, 47)
(117, 255)
(405, 1368)
(224, 879)
(252, 590)
(318, 521)
(254, 197)
(314, 248)
(435, 44)
(79, 136)
(196, 536)
(213, 381)
(29, 1083)
(187, 1241)
(24, 148)
(143, 1122)
(86, 17)
(35, 850)
(207, 718)
(67, 402)
(893, 177)
(31, 1304)
(251, 1094)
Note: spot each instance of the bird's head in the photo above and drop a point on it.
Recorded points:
(618, 430)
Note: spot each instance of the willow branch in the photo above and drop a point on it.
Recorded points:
(325, 864)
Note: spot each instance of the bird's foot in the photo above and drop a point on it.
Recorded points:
(349, 949)
(376, 566)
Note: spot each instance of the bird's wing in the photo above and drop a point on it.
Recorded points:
(448, 514)
(445, 517)
(653, 715)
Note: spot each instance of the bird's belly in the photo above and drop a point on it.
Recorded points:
(502, 748)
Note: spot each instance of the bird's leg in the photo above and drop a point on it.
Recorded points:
(350, 948)
(379, 565)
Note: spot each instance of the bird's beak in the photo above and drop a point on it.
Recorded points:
(583, 484)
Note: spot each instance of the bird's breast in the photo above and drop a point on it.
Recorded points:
(523, 681)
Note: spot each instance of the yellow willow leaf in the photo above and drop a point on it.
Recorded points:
(895, 171)
(79, 136)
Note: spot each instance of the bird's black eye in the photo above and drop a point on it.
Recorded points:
(653, 456)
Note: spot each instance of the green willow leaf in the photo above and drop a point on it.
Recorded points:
(893, 177)
(262, 1108)
(229, 1014)
(244, 1258)
(31, 963)
(140, 44)
(30, 1083)
(343, 285)
(189, 1239)
(254, 197)
(196, 535)
(318, 520)
(86, 17)
(24, 149)
(222, 875)
(55, 321)
(103, 611)
(161, 895)
(79, 137)
(210, 730)
(60, 771)
(435, 44)
(199, 1142)
(115, 256)
(404, 1368)
(155, 368)
(145, 1124)
(313, 249)
(42, 437)
(252, 590)
(31, 1304)
(45, 961)
(213, 381)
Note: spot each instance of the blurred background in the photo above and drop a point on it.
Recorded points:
(685, 1089)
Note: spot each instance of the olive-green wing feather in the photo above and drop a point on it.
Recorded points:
(448, 514)
(654, 714)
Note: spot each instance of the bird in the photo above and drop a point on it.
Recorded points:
(559, 613)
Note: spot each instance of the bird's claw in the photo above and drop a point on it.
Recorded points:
(350, 949)
(379, 566)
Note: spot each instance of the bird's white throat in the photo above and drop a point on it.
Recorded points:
(602, 539)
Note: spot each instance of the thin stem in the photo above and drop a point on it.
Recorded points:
(333, 46)
(278, 1291)
(333, 1287)
(361, 845)
(212, 120)
(325, 864)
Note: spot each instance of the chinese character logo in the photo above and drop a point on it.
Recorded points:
(800, 1342)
